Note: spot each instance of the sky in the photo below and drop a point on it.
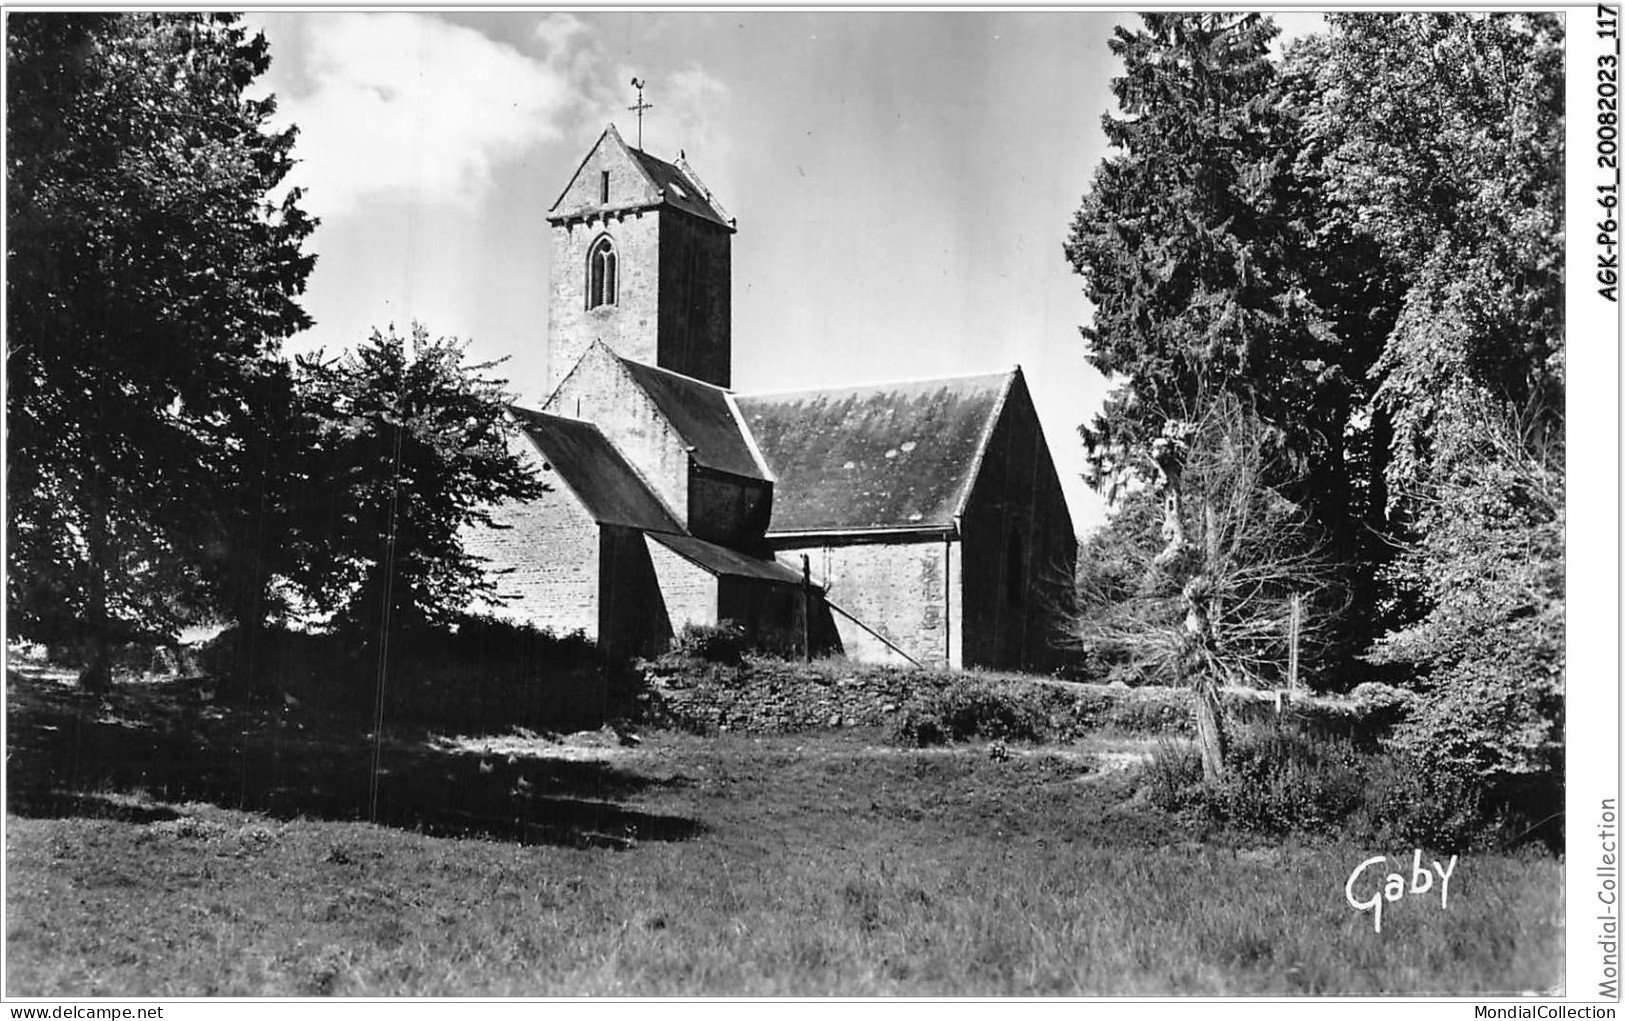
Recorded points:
(903, 182)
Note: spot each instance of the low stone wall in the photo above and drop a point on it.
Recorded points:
(773, 696)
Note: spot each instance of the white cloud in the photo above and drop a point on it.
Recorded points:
(698, 103)
(558, 31)
(409, 107)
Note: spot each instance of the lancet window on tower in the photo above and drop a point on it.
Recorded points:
(601, 273)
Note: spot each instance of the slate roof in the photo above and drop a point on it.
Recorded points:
(703, 415)
(723, 561)
(680, 190)
(888, 456)
(671, 184)
(586, 461)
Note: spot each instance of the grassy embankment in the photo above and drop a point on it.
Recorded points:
(161, 846)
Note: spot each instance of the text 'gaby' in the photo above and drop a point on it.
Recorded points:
(1393, 887)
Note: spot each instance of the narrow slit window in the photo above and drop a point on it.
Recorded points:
(601, 273)
(603, 187)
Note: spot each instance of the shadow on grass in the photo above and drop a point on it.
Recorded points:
(73, 753)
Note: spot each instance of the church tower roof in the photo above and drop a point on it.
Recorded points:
(674, 185)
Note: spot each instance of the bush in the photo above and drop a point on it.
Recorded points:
(481, 673)
(974, 708)
(1436, 809)
(1282, 781)
(1172, 777)
(725, 642)
(1451, 808)
(918, 726)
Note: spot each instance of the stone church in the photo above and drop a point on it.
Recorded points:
(911, 522)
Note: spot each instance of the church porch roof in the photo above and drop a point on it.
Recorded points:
(600, 477)
(722, 561)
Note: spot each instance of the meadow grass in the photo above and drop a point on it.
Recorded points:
(810, 864)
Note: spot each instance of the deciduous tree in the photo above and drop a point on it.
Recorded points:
(152, 269)
(1212, 604)
(409, 444)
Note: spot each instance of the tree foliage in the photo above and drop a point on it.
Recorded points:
(1489, 652)
(408, 444)
(1190, 250)
(1439, 137)
(1363, 246)
(151, 273)
(1200, 245)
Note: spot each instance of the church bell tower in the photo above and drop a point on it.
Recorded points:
(640, 261)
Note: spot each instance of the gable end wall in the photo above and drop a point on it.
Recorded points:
(1016, 496)
(601, 392)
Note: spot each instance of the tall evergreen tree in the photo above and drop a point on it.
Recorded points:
(1189, 250)
(151, 273)
(1201, 248)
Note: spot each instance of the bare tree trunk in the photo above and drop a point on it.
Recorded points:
(1210, 736)
(1198, 673)
(97, 674)
(1201, 603)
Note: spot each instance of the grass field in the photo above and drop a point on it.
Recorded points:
(157, 845)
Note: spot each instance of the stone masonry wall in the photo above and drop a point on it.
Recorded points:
(906, 591)
(766, 696)
(601, 392)
(547, 559)
(631, 325)
(728, 509)
(632, 611)
(689, 591)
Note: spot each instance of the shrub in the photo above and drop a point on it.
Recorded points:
(724, 642)
(1282, 781)
(918, 726)
(1437, 809)
(1488, 652)
(973, 707)
(1172, 777)
(976, 708)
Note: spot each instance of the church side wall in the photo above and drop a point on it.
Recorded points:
(906, 591)
(1020, 550)
(631, 325)
(547, 560)
(695, 286)
(689, 591)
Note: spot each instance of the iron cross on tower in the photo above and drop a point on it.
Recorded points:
(637, 83)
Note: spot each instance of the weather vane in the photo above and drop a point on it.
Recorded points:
(637, 83)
